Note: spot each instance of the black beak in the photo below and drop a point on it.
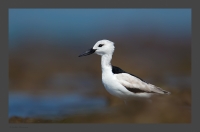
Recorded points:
(88, 52)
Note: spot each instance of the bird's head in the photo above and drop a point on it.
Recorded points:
(101, 47)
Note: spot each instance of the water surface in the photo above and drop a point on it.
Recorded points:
(25, 105)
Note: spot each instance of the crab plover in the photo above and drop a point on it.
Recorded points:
(118, 82)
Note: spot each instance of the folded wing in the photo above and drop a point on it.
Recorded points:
(136, 85)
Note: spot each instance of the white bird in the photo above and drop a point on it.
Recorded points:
(118, 82)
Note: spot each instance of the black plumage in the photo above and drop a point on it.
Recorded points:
(117, 70)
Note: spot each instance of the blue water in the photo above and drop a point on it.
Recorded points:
(25, 105)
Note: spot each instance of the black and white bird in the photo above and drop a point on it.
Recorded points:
(118, 82)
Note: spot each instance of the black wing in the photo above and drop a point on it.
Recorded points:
(117, 70)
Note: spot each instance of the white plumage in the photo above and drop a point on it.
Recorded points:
(118, 82)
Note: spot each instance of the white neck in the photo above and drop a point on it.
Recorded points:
(106, 62)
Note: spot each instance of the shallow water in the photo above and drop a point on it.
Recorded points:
(26, 105)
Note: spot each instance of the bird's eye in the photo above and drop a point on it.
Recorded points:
(100, 45)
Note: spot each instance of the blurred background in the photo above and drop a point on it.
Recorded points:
(49, 83)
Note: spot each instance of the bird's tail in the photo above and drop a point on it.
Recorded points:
(164, 91)
(158, 90)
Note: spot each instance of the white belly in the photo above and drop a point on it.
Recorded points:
(112, 86)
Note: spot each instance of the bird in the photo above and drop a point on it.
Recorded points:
(118, 82)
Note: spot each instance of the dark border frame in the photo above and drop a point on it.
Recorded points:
(5, 5)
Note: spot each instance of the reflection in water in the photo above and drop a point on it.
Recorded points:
(25, 105)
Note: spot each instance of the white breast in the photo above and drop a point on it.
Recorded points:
(113, 86)
(108, 82)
